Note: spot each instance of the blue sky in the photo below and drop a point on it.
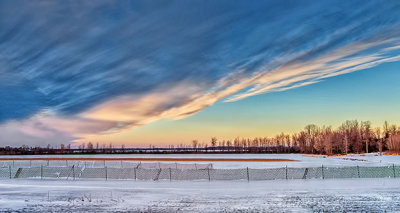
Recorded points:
(371, 94)
(138, 72)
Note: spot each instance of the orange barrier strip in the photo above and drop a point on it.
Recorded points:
(154, 159)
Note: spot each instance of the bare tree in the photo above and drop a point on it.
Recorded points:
(90, 146)
(366, 133)
(195, 144)
(311, 131)
(214, 141)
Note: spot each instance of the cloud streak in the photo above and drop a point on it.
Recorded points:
(99, 68)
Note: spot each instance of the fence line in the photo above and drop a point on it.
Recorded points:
(103, 163)
(112, 173)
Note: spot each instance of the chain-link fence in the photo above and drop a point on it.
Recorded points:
(112, 173)
(103, 163)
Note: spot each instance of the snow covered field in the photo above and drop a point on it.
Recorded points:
(302, 160)
(310, 195)
(346, 195)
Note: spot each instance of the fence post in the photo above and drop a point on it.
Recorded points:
(9, 168)
(208, 171)
(358, 171)
(41, 171)
(394, 171)
(47, 163)
(73, 171)
(134, 171)
(170, 174)
(286, 172)
(322, 169)
(13, 163)
(158, 175)
(248, 176)
(30, 163)
(104, 164)
(305, 173)
(105, 168)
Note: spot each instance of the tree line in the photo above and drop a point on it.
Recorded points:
(351, 136)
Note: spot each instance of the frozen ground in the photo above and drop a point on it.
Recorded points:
(347, 195)
(312, 195)
(303, 160)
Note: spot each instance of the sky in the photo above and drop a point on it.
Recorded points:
(167, 72)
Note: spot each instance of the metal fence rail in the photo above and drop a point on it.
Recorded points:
(114, 173)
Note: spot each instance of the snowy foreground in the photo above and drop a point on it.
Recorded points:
(310, 195)
(345, 195)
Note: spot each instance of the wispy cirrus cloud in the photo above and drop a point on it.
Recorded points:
(99, 68)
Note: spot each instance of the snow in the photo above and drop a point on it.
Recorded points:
(302, 160)
(310, 195)
(368, 195)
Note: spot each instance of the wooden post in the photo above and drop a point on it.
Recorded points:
(41, 171)
(208, 171)
(322, 169)
(248, 175)
(170, 174)
(358, 171)
(9, 168)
